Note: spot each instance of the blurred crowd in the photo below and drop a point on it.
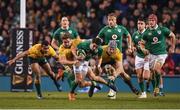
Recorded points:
(88, 17)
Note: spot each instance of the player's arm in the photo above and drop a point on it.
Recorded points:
(142, 47)
(129, 41)
(173, 41)
(18, 56)
(54, 44)
(64, 61)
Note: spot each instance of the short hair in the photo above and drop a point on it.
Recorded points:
(97, 41)
(112, 44)
(153, 16)
(45, 43)
(141, 19)
(65, 35)
(112, 14)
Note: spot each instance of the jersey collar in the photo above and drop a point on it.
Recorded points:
(142, 31)
(154, 27)
(65, 28)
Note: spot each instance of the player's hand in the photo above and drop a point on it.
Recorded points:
(145, 51)
(10, 62)
(134, 49)
(111, 77)
(129, 51)
(77, 63)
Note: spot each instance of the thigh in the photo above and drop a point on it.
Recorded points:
(139, 62)
(47, 67)
(159, 61)
(36, 69)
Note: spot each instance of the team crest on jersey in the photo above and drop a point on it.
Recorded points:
(62, 33)
(155, 39)
(114, 36)
(159, 31)
(136, 37)
(70, 31)
(119, 30)
(108, 30)
(149, 33)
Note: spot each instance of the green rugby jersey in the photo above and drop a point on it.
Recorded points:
(113, 33)
(136, 38)
(89, 53)
(59, 32)
(155, 40)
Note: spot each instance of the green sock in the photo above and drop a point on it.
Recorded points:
(74, 85)
(153, 83)
(157, 79)
(141, 85)
(66, 73)
(38, 88)
(70, 79)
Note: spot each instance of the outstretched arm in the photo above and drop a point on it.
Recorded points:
(21, 55)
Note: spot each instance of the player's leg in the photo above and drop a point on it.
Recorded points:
(36, 70)
(126, 78)
(139, 64)
(160, 59)
(51, 74)
(100, 80)
(161, 93)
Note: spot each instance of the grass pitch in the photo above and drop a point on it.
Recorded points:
(59, 100)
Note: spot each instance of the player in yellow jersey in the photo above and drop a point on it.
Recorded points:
(67, 55)
(112, 65)
(37, 58)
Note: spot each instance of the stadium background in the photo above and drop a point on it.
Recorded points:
(87, 17)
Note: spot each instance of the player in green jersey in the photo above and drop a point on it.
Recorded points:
(56, 41)
(154, 44)
(113, 31)
(141, 62)
(85, 51)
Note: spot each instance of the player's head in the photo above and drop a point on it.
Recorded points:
(112, 47)
(66, 39)
(112, 19)
(96, 42)
(141, 24)
(152, 20)
(44, 46)
(64, 22)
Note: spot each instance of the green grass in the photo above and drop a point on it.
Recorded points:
(55, 100)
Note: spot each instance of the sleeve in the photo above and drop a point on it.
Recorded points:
(118, 55)
(79, 46)
(100, 51)
(144, 37)
(125, 31)
(75, 33)
(32, 50)
(61, 51)
(166, 31)
(133, 36)
(101, 33)
(52, 51)
(56, 34)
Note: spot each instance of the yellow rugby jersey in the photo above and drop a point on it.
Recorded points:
(35, 52)
(109, 57)
(67, 52)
